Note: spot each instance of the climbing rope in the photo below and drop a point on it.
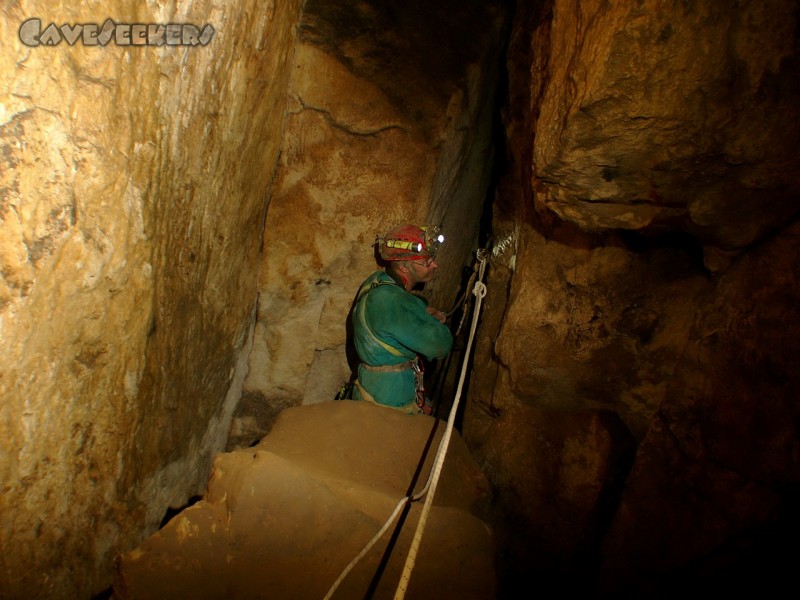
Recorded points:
(479, 291)
(463, 298)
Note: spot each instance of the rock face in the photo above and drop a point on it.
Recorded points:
(132, 195)
(728, 426)
(390, 116)
(677, 118)
(645, 230)
(283, 519)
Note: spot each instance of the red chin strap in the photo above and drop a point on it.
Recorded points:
(403, 279)
(399, 278)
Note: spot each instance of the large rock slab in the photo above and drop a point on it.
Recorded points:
(284, 518)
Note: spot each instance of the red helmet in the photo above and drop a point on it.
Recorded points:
(409, 242)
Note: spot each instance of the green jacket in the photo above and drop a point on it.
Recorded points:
(391, 326)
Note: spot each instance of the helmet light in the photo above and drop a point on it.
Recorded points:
(407, 242)
(433, 237)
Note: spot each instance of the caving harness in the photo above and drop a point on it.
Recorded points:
(415, 363)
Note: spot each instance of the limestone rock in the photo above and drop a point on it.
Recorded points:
(646, 266)
(681, 118)
(156, 202)
(389, 122)
(283, 519)
(729, 426)
(589, 325)
(132, 193)
(557, 476)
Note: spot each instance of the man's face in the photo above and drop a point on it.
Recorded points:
(423, 270)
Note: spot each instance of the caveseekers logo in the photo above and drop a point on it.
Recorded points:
(122, 34)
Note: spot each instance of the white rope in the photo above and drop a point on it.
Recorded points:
(479, 291)
(361, 554)
(377, 536)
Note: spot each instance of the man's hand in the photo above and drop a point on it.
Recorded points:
(439, 315)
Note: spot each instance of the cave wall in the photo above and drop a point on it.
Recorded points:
(633, 397)
(133, 187)
(390, 116)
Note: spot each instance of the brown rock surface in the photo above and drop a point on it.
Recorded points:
(719, 465)
(654, 117)
(159, 205)
(646, 265)
(389, 122)
(132, 194)
(284, 518)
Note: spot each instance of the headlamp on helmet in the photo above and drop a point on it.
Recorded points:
(409, 242)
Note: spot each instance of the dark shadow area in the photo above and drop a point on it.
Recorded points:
(172, 512)
(259, 413)
(439, 38)
(683, 251)
(760, 563)
(526, 561)
(446, 373)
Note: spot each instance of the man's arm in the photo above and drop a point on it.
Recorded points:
(403, 319)
(437, 314)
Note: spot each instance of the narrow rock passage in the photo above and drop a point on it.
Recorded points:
(284, 518)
